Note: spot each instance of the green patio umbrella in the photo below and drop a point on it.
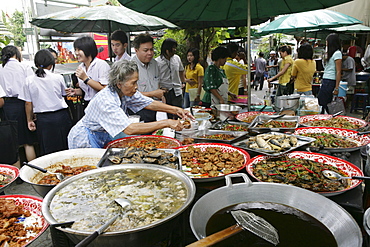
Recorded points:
(208, 13)
(352, 29)
(100, 19)
(301, 22)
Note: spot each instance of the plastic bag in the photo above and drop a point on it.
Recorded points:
(336, 105)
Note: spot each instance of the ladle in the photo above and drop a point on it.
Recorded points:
(335, 176)
(59, 175)
(86, 241)
(245, 221)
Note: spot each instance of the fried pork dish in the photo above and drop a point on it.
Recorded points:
(327, 140)
(211, 162)
(277, 124)
(145, 143)
(13, 233)
(67, 171)
(303, 173)
(337, 122)
(271, 143)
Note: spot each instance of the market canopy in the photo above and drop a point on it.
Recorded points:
(100, 19)
(352, 29)
(216, 13)
(300, 22)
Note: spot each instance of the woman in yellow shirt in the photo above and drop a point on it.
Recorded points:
(303, 70)
(194, 74)
(285, 70)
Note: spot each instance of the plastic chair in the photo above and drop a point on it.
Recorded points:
(359, 102)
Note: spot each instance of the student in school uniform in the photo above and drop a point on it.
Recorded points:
(46, 108)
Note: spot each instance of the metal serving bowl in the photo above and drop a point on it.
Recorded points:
(27, 174)
(147, 235)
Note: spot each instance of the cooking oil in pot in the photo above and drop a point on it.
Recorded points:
(295, 228)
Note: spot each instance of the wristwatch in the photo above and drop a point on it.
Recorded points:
(88, 79)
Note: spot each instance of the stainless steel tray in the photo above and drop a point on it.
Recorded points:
(215, 126)
(239, 135)
(253, 129)
(302, 140)
(106, 161)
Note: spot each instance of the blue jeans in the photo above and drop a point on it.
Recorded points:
(325, 95)
(305, 93)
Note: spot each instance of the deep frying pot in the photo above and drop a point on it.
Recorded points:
(287, 102)
(340, 223)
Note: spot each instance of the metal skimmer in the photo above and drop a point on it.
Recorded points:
(257, 225)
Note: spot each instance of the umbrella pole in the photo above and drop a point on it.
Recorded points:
(109, 41)
(249, 53)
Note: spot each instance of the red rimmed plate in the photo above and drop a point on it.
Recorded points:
(145, 141)
(11, 171)
(226, 148)
(305, 120)
(361, 140)
(34, 205)
(245, 115)
(345, 166)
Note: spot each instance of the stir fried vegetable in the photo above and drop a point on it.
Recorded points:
(235, 127)
(299, 172)
(337, 122)
(277, 124)
(331, 141)
(218, 136)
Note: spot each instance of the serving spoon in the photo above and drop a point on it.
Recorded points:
(336, 176)
(86, 241)
(59, 175)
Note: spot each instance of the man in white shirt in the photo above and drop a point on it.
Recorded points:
(148, 83)
(119, 42)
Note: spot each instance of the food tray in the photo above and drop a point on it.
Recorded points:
(11, 171)
(345, 166)
(305, 120)
(258, 130)
(34, 205)
(105, 161)
(242, 124)
(145, 140)
(302, 141)
(203, 146)
(239, 135)
(361, 140)
(244, 115)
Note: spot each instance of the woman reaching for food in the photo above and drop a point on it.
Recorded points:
(106, 117)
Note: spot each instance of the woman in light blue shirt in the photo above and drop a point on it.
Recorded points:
(332, 72)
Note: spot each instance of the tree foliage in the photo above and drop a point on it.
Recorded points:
(14, 24)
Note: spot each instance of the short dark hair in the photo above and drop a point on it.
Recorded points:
(286, 48)
(87, 45)
(261, 54)
(219, 52)
(232, 48)
(305, 51)
(168, 45)
(8, 52)
(119, 35)
(142, 39)
(43, 59)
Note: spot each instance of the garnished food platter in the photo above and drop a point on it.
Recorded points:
(294, 174)
(221, 136)
(334, 139)
(28, 214)
(145, 141)
(277, 123)
(132, 155)
(206, 162)
(8, 174)
(326, 120)
(248, 117)
(273, 143)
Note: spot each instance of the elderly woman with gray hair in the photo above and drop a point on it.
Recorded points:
(106, 117)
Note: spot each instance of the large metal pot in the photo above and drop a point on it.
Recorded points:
(156, 233)
(339, 222)
(287, 102)
(223, 111)
(27, 173)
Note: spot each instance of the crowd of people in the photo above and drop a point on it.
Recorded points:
(145, 86)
